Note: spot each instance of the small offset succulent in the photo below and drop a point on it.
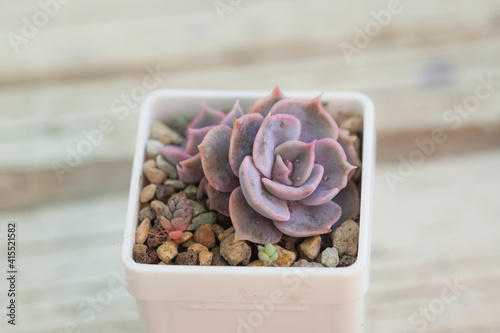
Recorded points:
(267, 254)
(177, 216)
(274, 171)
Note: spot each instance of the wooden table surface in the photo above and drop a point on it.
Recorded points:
(439, 221)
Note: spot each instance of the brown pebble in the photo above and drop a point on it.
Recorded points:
(235, 252)
(205, 258)
(138, 248)
(197, 248)
(188, 243)
(217, 229)
(217, 259)
(345, 238)
(167, 251)
(152, 173)
(285, 258)
(148, 193)
(142, 231)
(163, 192)
(346, 261)
(190, 191)
(205, 236)
(158, 207)
(156, 238)
(186, 235)
(147, 213)
(256, 263)
(142, 258)
(186, 258)
(223, 235)
(153, 256)
(310, 247)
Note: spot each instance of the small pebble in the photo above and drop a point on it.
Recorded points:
(217, 259)
(217, 229)
(305, 263)
(153, 148)
(186, 235)
(256, 263)
(138, 248)
(197, 248)
(141, 234)
(310, 247)
(163, 192)
(223, 220)
(158, 207)
(197, 208)
(147, 213)
(175, 184)
(166, 167)
(205, 236)
(188, 243)
(223, 235)
(166, 135)
(235, 252)
(345, 238)
(330, 257)
(204, 218)
(190, 191)
(142, 258)
(152, 173)
(148, 193)
(153, 256)
(346, 261)
(205, 258)
(186, 258)
(154, 239)
(353, 124)
(285, 258)
(167, 251)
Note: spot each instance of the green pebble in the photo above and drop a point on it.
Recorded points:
(168, 168)
(190, 191)
(330, 257)
(197, 208)
(175, 184)
(204, 218)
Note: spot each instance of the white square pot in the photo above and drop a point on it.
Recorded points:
(249, 299)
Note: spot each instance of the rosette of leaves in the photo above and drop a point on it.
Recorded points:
(278, 169)
(177, 215)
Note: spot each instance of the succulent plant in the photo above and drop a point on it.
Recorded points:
(177, 213)
(267, 254)
(274, 171)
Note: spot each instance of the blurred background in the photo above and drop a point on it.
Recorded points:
(432, 69)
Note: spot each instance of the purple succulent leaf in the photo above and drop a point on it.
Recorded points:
(257, 196)
(202, 190)
(166, 224)
(234, 114)
(316, 123)
(331, 156)
(347, 143)
(207, 117)
(241, 145)
(180, 223)
(295, 193)
(302, 157)
(196, 136)
(190, 170)
(174, 154)
(214, 151)
(264, 105)
(308, 221)
(248, 224)
(219, 201)
(274, 131)
(282, 171)
(348, 200)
